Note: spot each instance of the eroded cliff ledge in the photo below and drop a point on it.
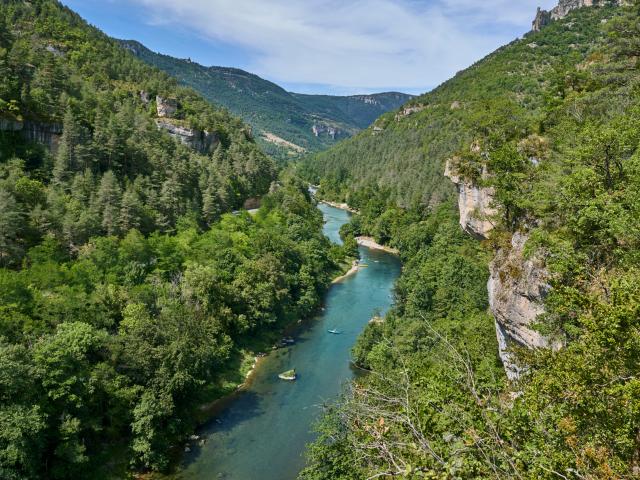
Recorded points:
(545, 17)
(517, 285)
(475, 203)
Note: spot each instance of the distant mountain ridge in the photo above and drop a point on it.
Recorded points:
(286, 124)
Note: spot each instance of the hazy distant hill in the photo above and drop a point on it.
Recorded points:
(286, 123)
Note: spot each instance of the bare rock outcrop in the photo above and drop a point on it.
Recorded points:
(544, 17)
(47, 134)
(475, 204)
(167, 107)
(410, 110)
(201, 141)
(328, 130)
(517, 289)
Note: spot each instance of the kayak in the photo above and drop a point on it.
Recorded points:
(289, 375)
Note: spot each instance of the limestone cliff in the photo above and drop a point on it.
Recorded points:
(475, 204)
(544, 17)
(517, 286)
(47, 134)
(201, 141)
(517, 289)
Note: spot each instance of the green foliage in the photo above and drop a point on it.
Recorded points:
(269, 108)
(563, 161)
(111, 169)
(406, 154)
(113, 348)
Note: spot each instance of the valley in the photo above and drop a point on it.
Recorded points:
(203, 275)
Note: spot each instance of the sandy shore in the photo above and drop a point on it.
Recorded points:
(341, 206)
(371, 243)
(352, 270)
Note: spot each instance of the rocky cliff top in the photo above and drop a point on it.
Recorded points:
(545, 17)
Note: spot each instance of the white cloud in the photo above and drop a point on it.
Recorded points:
(366, 44)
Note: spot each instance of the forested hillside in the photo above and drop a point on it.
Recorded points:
(550, 127)
(128, 298)
(286, 124)
(405, 151)
(86, 146)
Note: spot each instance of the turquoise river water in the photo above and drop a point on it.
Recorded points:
(261, 433)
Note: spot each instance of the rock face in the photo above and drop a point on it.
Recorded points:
(517, 286)
(201, 141)
(474, 204)
(167, 107)
(330, 131)
(406, 111)
(544, 17)
(47, 134)
(517, 289)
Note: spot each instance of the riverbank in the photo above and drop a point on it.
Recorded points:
(355, 265)
(341, 206)
(371, 243)
(250, 363)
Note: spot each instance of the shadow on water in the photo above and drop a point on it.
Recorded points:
(261, 432)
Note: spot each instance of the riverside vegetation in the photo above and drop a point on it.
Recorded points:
(128, 297)
(551, 123)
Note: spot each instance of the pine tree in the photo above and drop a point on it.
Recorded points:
(130, 216)
(10, 220)
(109, 200)
(71, 155)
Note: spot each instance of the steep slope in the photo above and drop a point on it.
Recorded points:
(405, 151)
(311, 122)
(128, 298)
(549, 181)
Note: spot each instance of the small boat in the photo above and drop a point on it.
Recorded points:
(363, 265)
(289, 375)
(335, 331)
(288, 340)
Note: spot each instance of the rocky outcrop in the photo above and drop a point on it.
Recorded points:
(201, 141)
(144, 97)
(517, 289)
(475, 203)
(544, 17)
(406, 111)
(167, 107)
(328, 130)
(517, 286)
(47, 134)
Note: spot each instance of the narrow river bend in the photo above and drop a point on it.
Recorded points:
(262, 432)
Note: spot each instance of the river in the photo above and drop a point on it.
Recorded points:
(261, 433)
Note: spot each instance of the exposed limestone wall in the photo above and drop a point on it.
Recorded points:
(166, 107)
(200, 141)
(544, 17)
(517, 286)
(47, 134)
(474, 204)
(517, 289)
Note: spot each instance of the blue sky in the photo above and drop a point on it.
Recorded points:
(322, 46)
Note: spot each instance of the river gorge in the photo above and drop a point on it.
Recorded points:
(261, 432)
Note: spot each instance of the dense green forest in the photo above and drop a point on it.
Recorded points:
(105, 167)
(562, 151)
(393, 153)
(128, 297)
(271, 109)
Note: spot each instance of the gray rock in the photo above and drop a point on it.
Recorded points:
(201, 141)
(564, 7)
(167, 107)
(517, 290)
(475, 204)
